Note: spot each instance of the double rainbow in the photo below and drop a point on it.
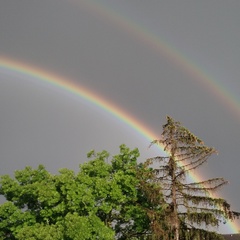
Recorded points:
(37, 74)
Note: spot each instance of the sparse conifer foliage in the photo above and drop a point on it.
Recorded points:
(191, 206)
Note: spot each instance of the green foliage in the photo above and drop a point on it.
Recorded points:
(117, 198)
(103, 200)
(40, 232)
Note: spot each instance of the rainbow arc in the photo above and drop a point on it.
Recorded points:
(67, 85)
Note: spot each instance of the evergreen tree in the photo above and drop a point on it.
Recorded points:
(191, 206)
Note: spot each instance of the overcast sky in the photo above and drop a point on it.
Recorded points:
(137, 55)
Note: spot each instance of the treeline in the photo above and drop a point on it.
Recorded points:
(117, 197)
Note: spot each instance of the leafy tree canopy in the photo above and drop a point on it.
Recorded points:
(101, 201)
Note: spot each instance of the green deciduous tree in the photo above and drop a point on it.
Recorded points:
(191, 206)
(104, 200)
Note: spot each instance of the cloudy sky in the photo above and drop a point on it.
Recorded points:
(148, 58)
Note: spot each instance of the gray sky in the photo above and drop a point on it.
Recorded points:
(113, 48)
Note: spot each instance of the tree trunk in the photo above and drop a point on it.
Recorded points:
(175, 220)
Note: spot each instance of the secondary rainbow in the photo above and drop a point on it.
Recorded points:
(67, 85)
(160, 46)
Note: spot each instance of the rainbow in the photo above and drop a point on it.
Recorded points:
(159, 45)
(67, 85)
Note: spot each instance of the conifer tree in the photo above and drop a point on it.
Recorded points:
(192, 209)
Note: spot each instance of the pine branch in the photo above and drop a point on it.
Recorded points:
(190, 204)
(208, 182)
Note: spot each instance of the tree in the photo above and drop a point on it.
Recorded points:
(118, 198)
(103, 200)
(191, 206)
